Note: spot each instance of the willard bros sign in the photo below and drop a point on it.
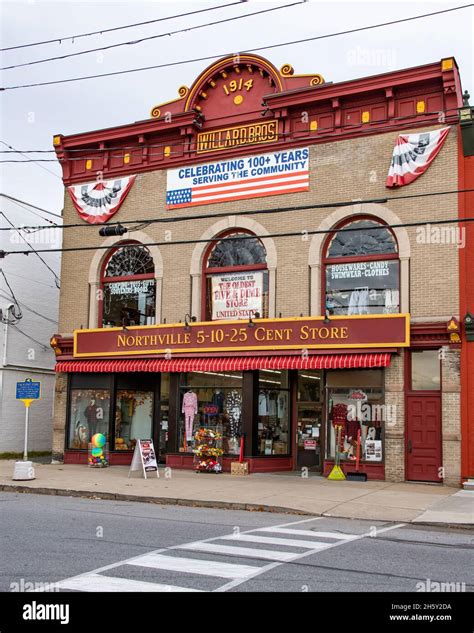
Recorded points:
(362, 331)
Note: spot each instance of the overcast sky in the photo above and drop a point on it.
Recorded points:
(30, 117)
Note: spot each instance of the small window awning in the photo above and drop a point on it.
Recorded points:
(230, 363)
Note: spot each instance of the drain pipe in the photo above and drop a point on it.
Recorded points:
(5, 334)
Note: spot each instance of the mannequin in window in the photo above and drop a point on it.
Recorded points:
(218, 399)
(189, 408)
(91, 415)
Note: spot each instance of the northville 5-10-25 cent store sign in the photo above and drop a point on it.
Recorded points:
(236, 179)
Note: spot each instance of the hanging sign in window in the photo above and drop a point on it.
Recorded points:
(236, 295)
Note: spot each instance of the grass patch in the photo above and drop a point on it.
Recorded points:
(20, 455)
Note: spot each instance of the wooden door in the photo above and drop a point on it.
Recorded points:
(423, 438)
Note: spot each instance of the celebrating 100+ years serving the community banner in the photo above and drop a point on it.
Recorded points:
(239, 178)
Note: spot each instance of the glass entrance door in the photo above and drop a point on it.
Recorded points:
(309, 420)
(309, 434)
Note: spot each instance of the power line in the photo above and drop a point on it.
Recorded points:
(60, 40)
(27, 206)
(45, 347)
(16, 315)
(206, 216)
(31, 160)
(152, 37)
(211, 57)
(31, 309)
(301, 233)
(36, 252)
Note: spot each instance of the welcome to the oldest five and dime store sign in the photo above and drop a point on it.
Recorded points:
(366, 331)
(239, 178)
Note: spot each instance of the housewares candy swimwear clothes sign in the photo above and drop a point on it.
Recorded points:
(238, 178)
(236, 296)
(97, 202)
(412, 155)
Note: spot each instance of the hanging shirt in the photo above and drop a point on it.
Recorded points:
(262, 403)
(272, 398)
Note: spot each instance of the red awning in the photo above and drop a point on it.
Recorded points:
(329, 361)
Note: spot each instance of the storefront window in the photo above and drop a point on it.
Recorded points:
(236, 278)
(273, 412)
(356, 415)
(89, 414)
(129, 288)
(362, 270)
(425, 370)
(211, 400)
(133, 418)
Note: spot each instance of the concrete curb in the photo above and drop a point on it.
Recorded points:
(201, 503)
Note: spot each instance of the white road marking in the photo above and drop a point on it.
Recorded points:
(265, 568)
(270, 540)
(99, 582)
(237, 574)
(195, 566)
(336, 535)
(215, 548)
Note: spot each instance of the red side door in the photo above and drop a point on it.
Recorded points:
(423, 438)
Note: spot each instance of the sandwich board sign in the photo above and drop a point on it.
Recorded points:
(144, 458)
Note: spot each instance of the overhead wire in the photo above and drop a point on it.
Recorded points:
(204, 216)
(302, 233)
(217, 55)
(151, 37)
(59, 40)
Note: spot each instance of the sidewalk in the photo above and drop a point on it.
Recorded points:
(372, 500)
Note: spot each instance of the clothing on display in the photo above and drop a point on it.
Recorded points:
(358, 301)
(391, 299)
(91, 416)
(189, 408)
(272, 402)
(218, 400)
(233, 406)
(262, 403)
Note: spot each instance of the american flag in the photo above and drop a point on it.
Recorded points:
(269, 185)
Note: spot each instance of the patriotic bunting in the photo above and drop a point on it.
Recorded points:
(412, 155)
(97, 202)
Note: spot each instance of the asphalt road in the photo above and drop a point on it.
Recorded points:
(121, 546)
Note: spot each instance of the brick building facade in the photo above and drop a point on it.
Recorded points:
(349, 130)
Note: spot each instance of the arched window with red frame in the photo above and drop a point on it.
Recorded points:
(235, 277)
(361, 269)
(128, 287)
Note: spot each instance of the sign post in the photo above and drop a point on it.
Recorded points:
(27, 392)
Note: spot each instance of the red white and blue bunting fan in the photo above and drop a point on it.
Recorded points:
(412, 155)
(96, 202)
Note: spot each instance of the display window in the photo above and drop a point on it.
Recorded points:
(235, 278)
(211, 400)
(273, 412)
(133, 417)
(356, 415)
(425, 370)
(128, 288)
(362, 270)
(88, 414)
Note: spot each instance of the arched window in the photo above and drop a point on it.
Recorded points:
(128, 287)
(235, 277)
(361, 269)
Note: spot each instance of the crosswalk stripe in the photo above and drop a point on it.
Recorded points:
(256, 538)
(215, 548)
(98, 582)
(336, 535)
(194, 566)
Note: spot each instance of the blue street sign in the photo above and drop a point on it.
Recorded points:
(28, 390)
